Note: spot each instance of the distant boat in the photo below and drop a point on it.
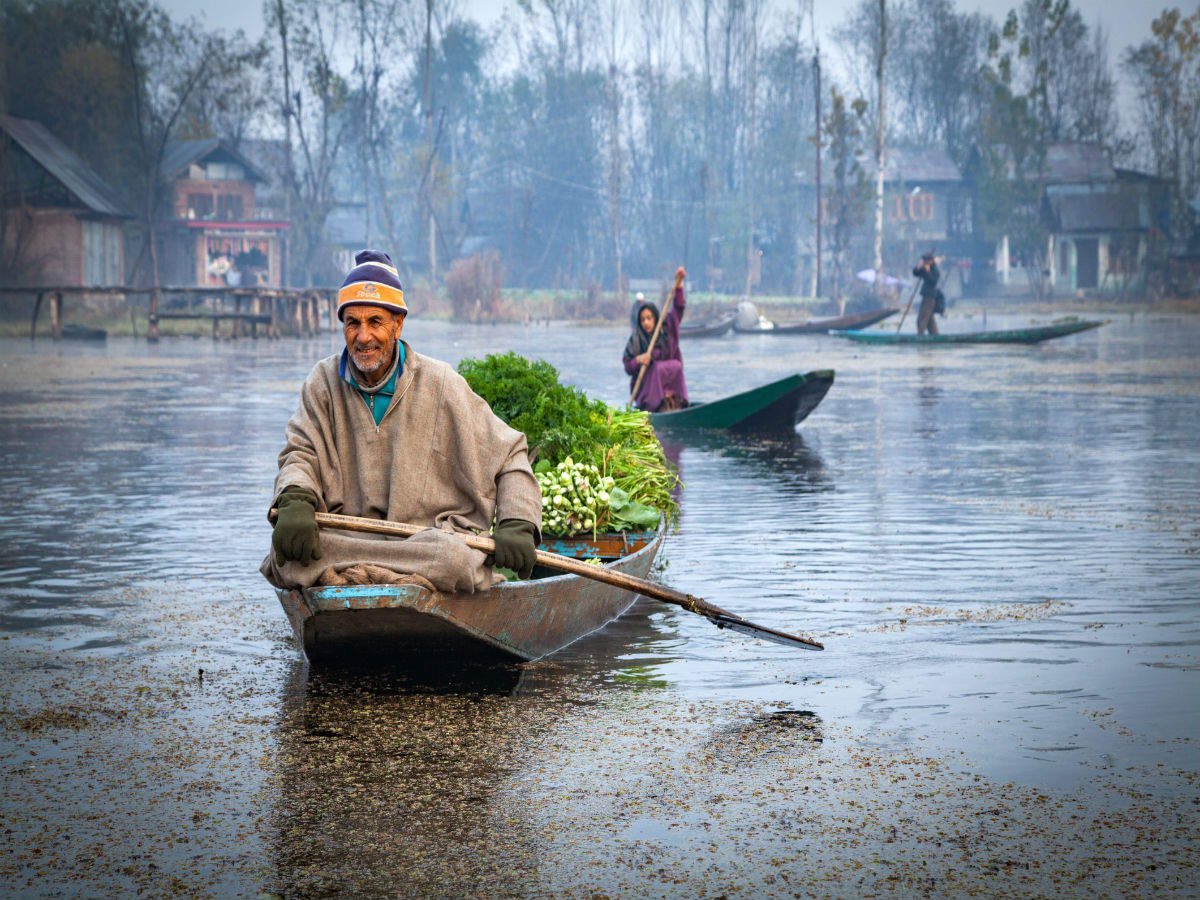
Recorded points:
(1011, 336)
(716, 329)
(839, 323)
(74, 332)
(406, 624)
(773, 407)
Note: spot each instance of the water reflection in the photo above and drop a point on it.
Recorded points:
(389, 791)
(787, 461)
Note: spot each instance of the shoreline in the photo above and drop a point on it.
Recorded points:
(572, 307)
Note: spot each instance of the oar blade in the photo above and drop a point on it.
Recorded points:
(767, 634)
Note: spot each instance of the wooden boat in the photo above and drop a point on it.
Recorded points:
(715, 329)
(777, 406)
(400, 624)
(839, 323)
(1011, 336)
(74, 332)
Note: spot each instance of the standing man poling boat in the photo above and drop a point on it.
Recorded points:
(386, 433)
(662, 386)
(927, 271)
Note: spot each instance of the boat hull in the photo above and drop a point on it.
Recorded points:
(718, 328)
(840, 323)
(407, 625)
(1011, 336)
(773, 407)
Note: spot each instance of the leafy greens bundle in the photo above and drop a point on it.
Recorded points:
(561, 423)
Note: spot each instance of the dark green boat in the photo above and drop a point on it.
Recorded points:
(773, 407)
(1012, 336)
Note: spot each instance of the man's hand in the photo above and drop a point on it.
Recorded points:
(296, 538)
(680, 274)
(516, 546)
(643, 359)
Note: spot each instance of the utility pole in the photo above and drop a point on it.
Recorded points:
(431, 227)
(817, 74)
(879, 131)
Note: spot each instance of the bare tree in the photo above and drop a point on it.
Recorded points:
(313, 127)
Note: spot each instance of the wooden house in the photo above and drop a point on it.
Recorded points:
(61, 223)
(214, 233)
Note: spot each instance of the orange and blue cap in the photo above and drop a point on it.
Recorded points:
(373, 281)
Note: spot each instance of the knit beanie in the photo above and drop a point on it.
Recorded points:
(373, 281)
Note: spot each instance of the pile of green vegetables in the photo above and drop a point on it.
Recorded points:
(600, 468)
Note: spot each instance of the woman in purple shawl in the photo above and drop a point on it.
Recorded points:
(663, 387)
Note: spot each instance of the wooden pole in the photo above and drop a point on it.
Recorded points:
(911, 297)
(720, 617)
(37, 307)
(56, 307)
(152, 332)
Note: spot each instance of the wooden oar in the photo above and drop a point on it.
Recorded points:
(719, 617)
(911, 298)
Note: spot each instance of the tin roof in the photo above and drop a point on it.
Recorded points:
(80, 179)
(910, 164)
(1124, 205)
(181, 154)
(1069, 162)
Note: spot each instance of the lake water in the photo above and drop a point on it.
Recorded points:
(999, 547)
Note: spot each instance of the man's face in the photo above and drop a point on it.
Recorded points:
(371, 335)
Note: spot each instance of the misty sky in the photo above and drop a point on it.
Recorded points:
(1126, 21)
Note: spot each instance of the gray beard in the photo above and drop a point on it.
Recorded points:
(370, 370)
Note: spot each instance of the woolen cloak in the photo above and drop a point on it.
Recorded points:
(440, 457)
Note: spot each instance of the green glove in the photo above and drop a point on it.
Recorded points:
(516, 546)
(295, 537)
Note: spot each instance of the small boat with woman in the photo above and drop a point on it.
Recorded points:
(769, 408)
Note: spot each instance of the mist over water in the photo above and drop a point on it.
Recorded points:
(997, 545)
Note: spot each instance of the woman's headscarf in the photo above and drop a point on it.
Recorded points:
(639, 341)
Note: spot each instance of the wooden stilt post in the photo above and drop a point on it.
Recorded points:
(56, 306)
(37, 307)
(152, 332)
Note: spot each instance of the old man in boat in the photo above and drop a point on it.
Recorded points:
(662, 386)
(384, 432)
(927, 271)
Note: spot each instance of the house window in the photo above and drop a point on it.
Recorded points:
(229, 207)
(200, 206)
(224, 171)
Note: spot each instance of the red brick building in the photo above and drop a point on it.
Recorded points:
(214, 234)
(60, 223)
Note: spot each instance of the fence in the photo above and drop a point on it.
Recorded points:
(246, 309)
